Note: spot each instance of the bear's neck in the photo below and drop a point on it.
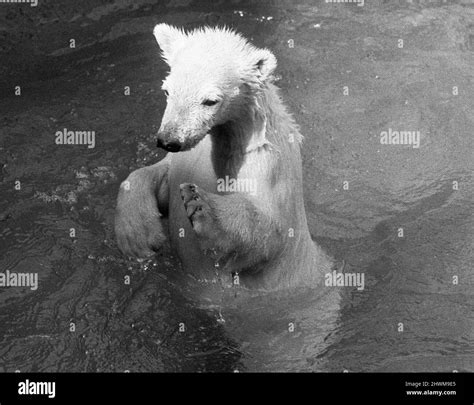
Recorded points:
(234, 140)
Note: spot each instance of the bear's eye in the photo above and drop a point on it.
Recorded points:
(166, 93)
(210, 103)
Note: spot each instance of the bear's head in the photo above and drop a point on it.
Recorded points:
(214, 74)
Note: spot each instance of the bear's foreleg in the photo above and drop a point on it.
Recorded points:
(142, 201)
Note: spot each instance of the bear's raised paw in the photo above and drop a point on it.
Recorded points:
(199, 212)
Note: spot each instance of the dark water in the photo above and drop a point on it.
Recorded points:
(85, 317)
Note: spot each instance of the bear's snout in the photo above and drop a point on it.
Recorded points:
(169, 146)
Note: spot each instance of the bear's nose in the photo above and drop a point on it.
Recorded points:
(168, 146)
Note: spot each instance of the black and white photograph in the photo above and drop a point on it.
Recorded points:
(237, 186)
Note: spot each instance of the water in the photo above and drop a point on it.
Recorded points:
(88, 316)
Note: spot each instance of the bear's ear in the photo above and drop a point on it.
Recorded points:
(169, 39)
(264, 63)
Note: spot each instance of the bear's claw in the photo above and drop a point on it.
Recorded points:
(193, 202)
(198, 210)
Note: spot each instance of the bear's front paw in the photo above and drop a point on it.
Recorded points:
(199, 212)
